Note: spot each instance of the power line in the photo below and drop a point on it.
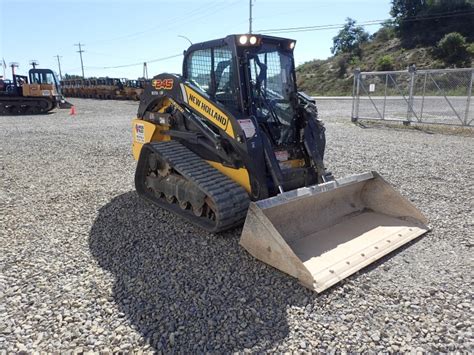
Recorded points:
(80, 51)
(138, 63)
(183, 18)
(366, 23)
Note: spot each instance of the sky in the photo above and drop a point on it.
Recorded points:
(122, 32)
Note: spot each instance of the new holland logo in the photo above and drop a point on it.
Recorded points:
(220, 119)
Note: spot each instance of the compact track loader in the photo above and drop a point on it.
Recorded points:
(232, 142)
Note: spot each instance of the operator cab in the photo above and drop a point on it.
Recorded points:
(44, 76)
(250, 75)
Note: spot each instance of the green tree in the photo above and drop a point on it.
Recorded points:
(453, 50)
(402, 9)
(71, 76)
(425, 22)
(349, 39)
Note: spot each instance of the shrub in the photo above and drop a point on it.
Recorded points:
(470, 49)
(453, 50)
(342, 63)
(387, 32)
(385, 63)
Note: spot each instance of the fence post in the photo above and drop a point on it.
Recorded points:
(423, 98)
(385, 96)
(412, 72)
(469, 94)
(355, 96)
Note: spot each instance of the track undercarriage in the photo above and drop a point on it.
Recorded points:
(25, 105)
(176, 179)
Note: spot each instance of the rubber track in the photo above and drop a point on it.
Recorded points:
(230, 199)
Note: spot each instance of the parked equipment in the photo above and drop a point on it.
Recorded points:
(133, 89)
(38, 93)
(232, 140)
(104, 88)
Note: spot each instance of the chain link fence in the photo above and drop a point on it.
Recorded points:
(439, 96)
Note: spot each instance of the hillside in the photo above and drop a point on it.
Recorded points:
(334, 76)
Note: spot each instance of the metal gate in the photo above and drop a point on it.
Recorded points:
(439, 96)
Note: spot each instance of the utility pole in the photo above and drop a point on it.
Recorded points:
(250, 16)
(80, 51)
(145, 71)
(34, 63)
(59, 65)
(4, 66)
(13, 65)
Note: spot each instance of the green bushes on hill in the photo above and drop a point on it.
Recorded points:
(453, 50)
(428, 33)
(385, 63)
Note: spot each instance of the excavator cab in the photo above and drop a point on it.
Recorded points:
(44, 77)
(231, 140)
(48, 82)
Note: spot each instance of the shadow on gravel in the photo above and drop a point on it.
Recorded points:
(186, 289)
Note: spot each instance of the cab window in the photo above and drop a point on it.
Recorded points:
(199, 69)
(212, 71)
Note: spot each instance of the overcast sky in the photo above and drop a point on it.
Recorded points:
(120, 32)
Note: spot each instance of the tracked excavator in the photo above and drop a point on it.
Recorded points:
(231, 141)
(37, 93)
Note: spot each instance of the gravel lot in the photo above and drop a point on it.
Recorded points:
(86, 265)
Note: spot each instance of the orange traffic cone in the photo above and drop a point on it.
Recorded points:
(73, 111)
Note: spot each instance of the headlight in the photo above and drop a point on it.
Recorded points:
(243, 39)
(253, 40)
(292, 45)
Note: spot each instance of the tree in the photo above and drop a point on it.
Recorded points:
(349, 39)
(402, 9)
(453, 50)
(71, 76)
(425, 22)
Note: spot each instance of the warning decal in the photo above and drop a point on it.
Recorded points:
(248, 127)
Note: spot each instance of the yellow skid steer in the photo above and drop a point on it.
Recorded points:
(231, 140)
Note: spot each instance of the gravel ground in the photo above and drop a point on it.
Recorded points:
(86, 265)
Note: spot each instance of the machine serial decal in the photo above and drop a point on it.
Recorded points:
(165, 84)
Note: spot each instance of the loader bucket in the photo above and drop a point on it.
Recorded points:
(63, 104)
(324, 233)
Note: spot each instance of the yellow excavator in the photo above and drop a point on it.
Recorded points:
(231, 141)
